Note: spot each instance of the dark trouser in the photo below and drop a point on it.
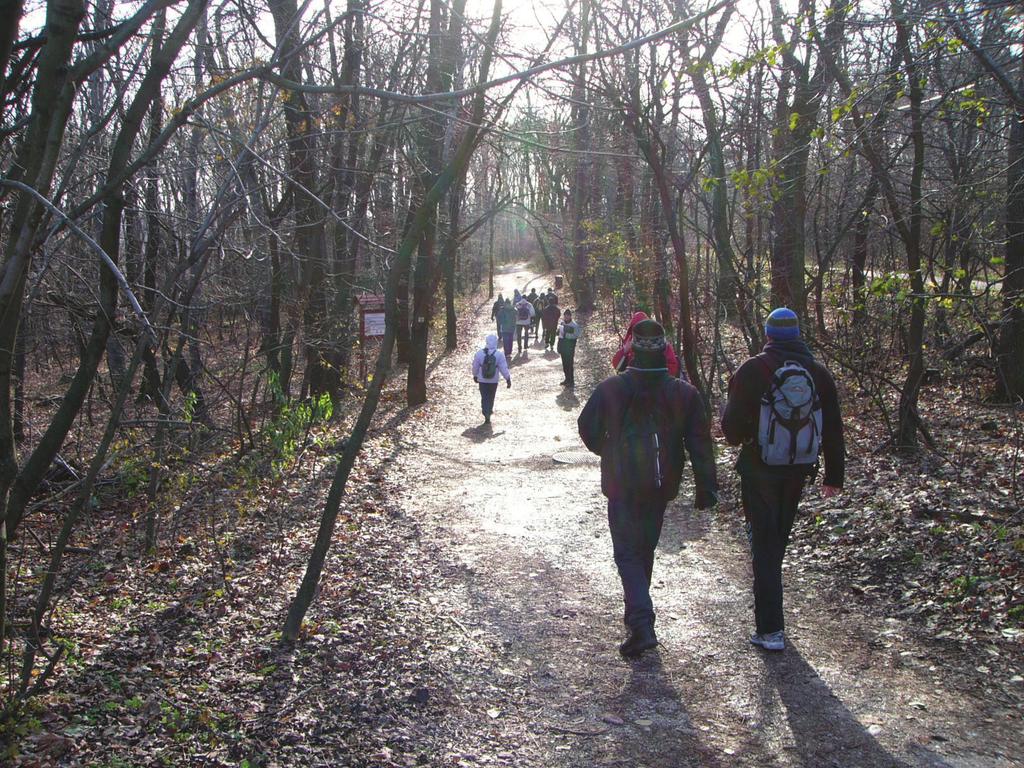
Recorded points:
(568, 363)
(549, 337)
(487, 397)
(522, 336)
(636, 527)
(506, 342)
(770, 504)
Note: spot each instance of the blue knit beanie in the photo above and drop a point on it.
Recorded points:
(782, 325)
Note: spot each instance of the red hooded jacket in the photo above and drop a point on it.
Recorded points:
(624, 356)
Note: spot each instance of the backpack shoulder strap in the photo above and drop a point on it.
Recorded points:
(770, 378)
(629, 389)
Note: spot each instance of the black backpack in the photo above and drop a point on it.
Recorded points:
(490, 365)
(639, 453)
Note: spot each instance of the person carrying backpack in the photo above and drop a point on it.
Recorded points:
(784, 411)
(507, 326)
(539, 302)
(642, 424)
(524, 321)
(568, 335)
(489, 364)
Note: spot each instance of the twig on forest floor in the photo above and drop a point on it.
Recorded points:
(466, 632)
(260, 718)
(575, 732)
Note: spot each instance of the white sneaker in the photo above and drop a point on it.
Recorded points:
(773, 641)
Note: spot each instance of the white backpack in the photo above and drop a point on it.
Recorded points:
(789, 428)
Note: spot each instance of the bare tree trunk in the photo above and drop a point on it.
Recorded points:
(581, 187)
(455, 169)
(451, 247)
(110, 237)
(441, 63)
(909, 420)
(309, 241)
(721, 225)
(1010, 343)
(1011, 339)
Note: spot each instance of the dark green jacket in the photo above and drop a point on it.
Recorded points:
(506, 320)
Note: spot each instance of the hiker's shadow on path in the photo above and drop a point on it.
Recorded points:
(482, 433)
(567, 400)
(824, 731)
(649, 694)
(519, 359)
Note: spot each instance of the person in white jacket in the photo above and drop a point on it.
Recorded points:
(489, 366)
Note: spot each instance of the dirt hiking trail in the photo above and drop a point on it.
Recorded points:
(530, 590)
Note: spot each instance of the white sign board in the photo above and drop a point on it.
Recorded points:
(373, 323)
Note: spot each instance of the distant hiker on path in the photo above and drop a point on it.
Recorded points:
(495, 308)
(622, 359)
(539, 301)
(489, 364)
(507, 326)
(550, 316)
(524, 321)
(783, 409)
(568, 335)
(642, 424)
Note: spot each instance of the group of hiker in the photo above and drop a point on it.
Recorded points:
(646, 418)
(520, 317)
(782, 409)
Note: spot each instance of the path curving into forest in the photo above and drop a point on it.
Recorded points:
(534, 604)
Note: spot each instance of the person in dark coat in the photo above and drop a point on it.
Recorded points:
(771, 493)
(539, 302)
(675, 410)
(550, 317)
(495, 308)
(568, 335)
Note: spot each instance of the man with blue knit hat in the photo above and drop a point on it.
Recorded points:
(783, 410)
(642, 424)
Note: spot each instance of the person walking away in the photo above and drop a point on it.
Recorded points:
(488, 364)
(784, 411)
(539, 302)
(507, 326)
(568, 335)
(550, 317)
(642, 424)
(623, 357)
(524, 321)
(495, 309)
